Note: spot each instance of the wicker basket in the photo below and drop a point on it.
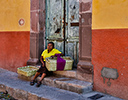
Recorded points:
(51, 63)
(27, 70)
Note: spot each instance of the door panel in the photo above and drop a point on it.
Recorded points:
(54, 23)
(72, 29)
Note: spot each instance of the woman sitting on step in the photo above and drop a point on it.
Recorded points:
(50, 51)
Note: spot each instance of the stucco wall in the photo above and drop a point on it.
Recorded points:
(110, 46)
(14, 33)
(110, 14)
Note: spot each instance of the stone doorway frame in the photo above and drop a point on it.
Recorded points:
(37, 30)
(84, 67)
(37, 36)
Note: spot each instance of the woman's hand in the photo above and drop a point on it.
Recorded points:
(59, 54)
(52, 57)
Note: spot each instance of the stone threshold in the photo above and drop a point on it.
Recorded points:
(68, 73)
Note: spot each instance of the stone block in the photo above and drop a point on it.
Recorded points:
(41, 4)
(34, 4)
(87, 89)
(64, 86)
(25, 78)
(42, 21)
(32, 61)
(41, 43)
(32, 96)
(86, 5)
(85, 67)
(48, 81)
(34, 43)
(20, 94)
(69, 73)
(69, 84)
(72, 88)
(2, 88)
(10, 90)
(85, 73)
(35, 21)
(36, 47)
(79, 90)
(86, 44)
(57, 84)
(44, 99)
(62, 83)
(86, 19)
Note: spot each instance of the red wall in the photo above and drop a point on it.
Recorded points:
(14, 49)
(110, 49)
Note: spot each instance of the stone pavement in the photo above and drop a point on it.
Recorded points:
(21, 90)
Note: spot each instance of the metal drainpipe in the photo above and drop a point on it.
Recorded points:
(64, 25)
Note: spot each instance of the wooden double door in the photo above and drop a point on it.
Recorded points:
(62, 26)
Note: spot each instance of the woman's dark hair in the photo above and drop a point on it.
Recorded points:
(51, 43)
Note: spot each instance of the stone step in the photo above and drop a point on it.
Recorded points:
(74, 74)
(21, 90)
(65, 81)
(68, 73)
(69, 84)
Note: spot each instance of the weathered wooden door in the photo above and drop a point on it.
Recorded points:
(62, 26)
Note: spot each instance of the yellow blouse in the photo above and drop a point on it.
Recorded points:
(45, 53)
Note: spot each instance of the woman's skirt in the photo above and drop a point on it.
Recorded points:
(44, 70)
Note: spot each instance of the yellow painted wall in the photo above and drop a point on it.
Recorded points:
(110, 14)
(11, 11)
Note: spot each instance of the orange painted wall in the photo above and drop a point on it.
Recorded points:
(110, 49)
(110, 45)
(14, 33)
(14, 49)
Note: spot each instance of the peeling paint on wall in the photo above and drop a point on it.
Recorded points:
(109, 73)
